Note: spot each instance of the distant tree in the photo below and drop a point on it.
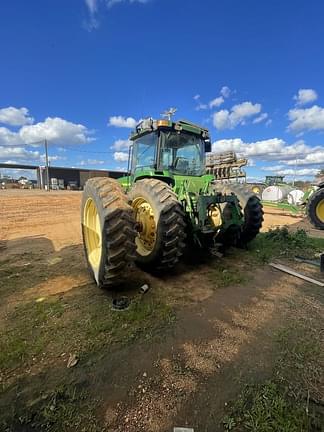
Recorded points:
(301, 184)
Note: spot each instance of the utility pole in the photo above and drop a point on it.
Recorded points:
(295, 171)
(46, 160)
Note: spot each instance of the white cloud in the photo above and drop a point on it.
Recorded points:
(121, 156)
(9, 162)
(225, 91)
(111, 3)
(92, 5)
(246, 109)
(253, 179)
(52, 158)
(306, 119)
(15, 116)
(201, 106)
(260, 118)
(312, 157)
(298, 172)
(270, 149)
(93, 9)
(196, 97)
(225, 119)
(272, 168)
(20, 153)
(121, 144)
(265, 148)
(16, 173)
(91, 162)
(122, 122)
(216, 102)
(56, 130)
(8, 137)
(93, 22)
(305, 96)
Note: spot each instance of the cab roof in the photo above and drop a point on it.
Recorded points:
(149, 125)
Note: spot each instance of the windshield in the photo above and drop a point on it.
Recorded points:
(144, 152)
(182, 153)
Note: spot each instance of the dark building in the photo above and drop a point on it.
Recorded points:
(60, 177)
(72, 176)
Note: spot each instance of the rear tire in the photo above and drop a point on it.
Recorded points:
(108, 230)
(161, 224)
(315, 209)
(252, 211)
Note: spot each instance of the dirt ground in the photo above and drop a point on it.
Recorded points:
(56, 216)
(179, 357)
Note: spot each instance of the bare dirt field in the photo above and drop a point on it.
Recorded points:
(216, 345)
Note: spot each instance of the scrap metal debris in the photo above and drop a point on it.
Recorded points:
(182, 429)
(144, 288)
(72, 361)
(121, 303)
(307, 261)
(292, 272)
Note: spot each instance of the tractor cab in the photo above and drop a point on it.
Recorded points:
(164, 147)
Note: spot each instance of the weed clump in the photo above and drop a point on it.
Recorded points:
(280, 242)
(297, 239)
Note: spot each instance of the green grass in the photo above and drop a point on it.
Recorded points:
(222, 276)
(282, 243)
(36, 334)
(28, 330)
(289, 401)
(79, 324)
(265, 408)
(67, 408)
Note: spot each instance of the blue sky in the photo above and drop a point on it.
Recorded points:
(81, 73)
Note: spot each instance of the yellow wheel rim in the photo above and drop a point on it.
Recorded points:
(92, 233)
(146, 236)
(320, 210)
(256, 189)
(215, 215)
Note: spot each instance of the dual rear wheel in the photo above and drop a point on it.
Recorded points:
(149, 231)
(252, 212)
(147, 226)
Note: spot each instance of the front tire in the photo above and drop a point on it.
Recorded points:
(160, 224)
(108, 230)
(315, 209)
(252, 211)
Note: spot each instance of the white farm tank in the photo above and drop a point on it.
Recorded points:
(295, 197)
(275, 193)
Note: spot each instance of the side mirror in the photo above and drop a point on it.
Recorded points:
(207, 146)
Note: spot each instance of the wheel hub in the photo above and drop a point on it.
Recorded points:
(146, 226)
(215, 215)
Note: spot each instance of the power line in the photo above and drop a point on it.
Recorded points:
(89, 151)
(68, 148)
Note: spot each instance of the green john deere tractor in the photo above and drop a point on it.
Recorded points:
(165, 203)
